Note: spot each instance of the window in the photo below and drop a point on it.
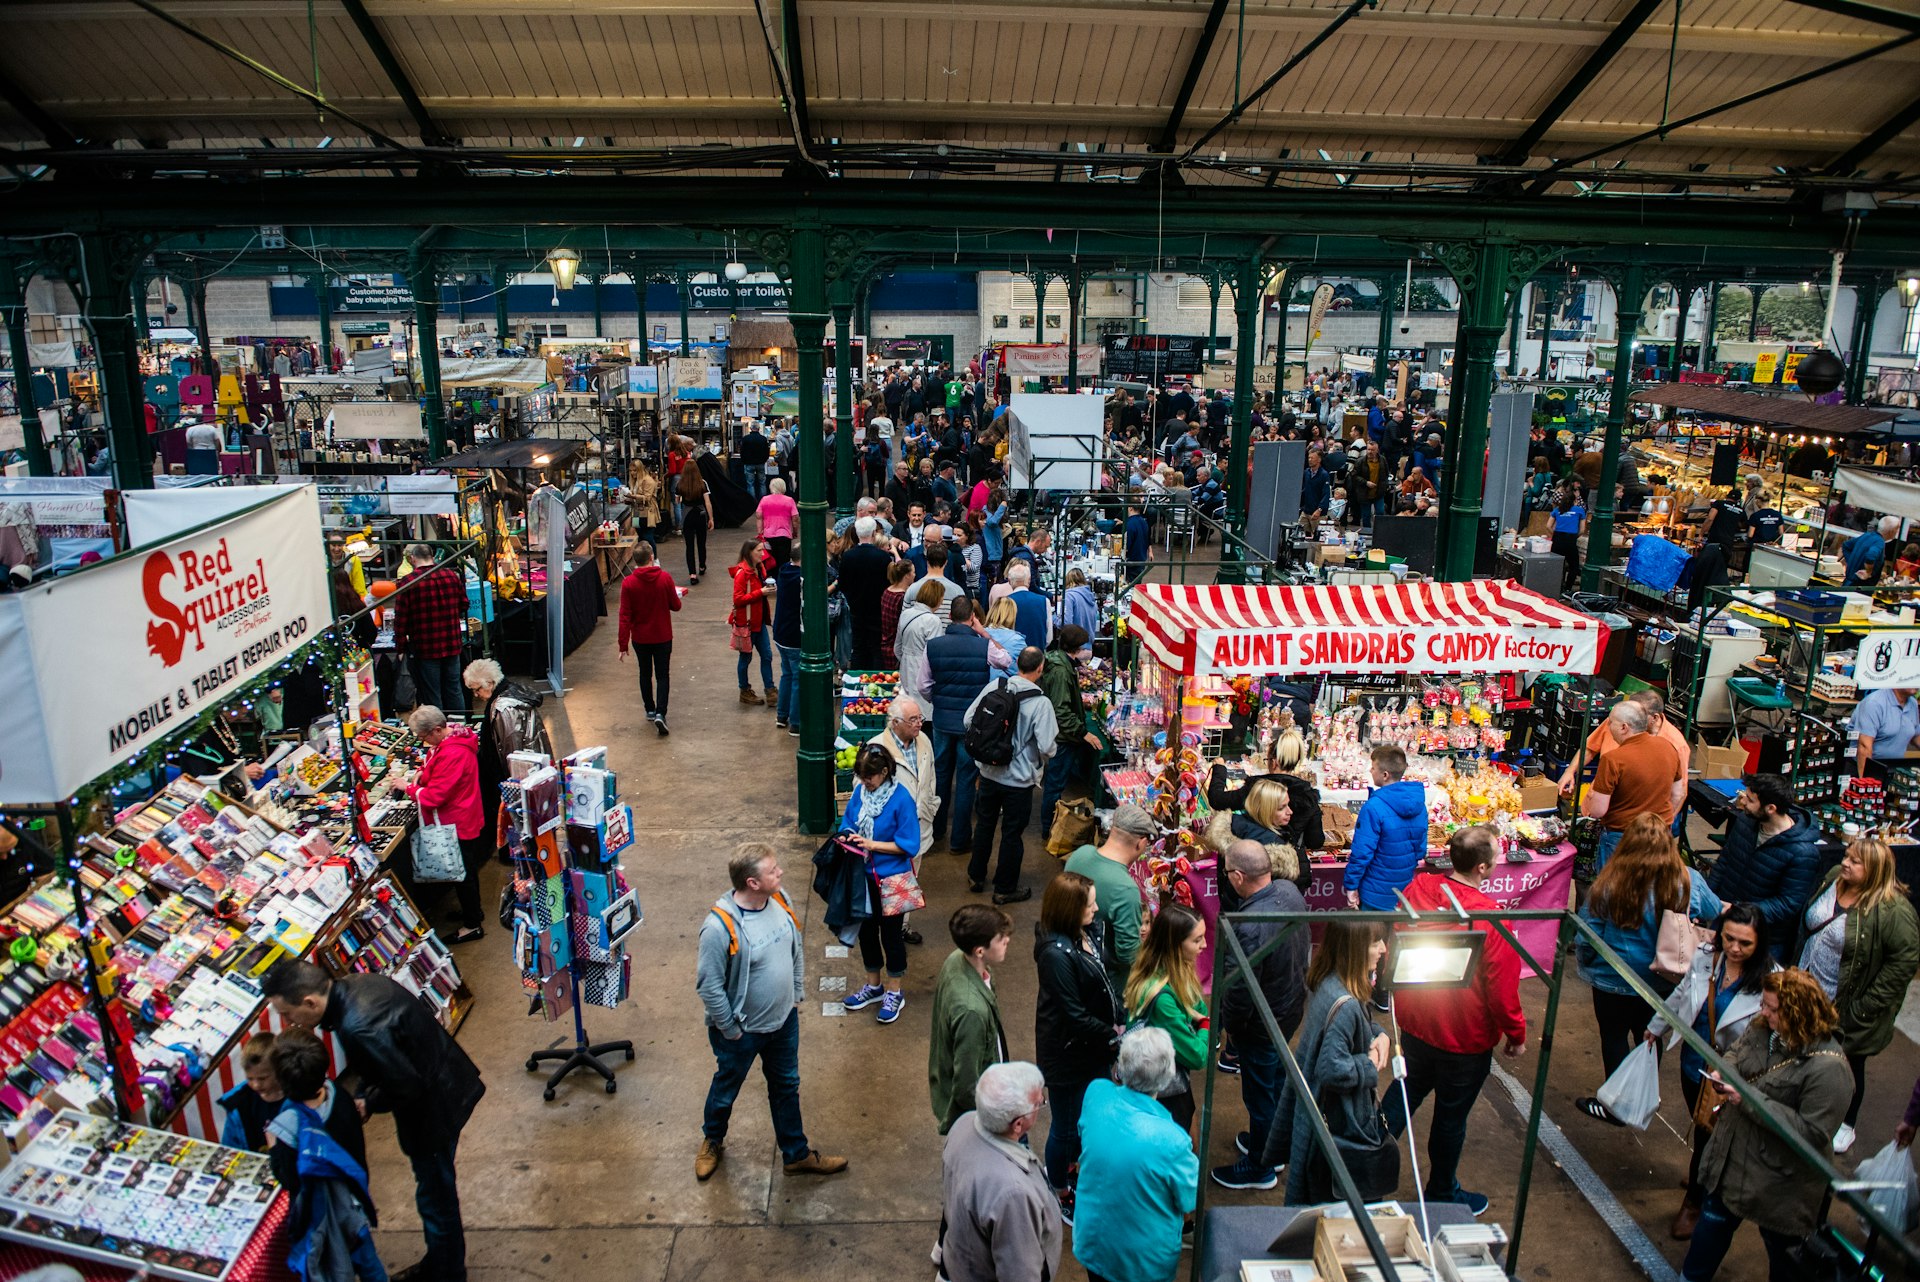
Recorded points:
(1194, 295)
(549, 331)
(1910, 343)
(1020, 295)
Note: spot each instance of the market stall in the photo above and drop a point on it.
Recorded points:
(179, 830)
(1433, 669)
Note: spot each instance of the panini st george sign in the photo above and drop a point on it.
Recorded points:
(111, 659)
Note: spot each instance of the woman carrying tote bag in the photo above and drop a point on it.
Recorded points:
(447, 791)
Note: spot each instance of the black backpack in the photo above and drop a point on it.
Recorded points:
(990, 732)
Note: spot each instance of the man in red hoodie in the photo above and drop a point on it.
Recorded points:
(648, 598)
(1448, 1035)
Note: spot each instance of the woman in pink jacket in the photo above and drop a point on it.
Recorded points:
(447, 790)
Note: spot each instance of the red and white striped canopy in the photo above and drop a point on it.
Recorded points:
(1487, 625)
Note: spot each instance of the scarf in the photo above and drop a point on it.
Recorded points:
(871, 804)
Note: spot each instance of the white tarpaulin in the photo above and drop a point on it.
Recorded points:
(42, 354)
(112, 658)
(377, 420)
(492, 371)
(1881, 493)
(422, 495)
(154, 516)
(1055, 442)
(1048, 360)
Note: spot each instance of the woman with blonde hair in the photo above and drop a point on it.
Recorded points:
(1645, 877)
(1861, 943)
(1789, 1055)
(1003, 627)
(1295, 825)
(646, 499)
(1163, 991)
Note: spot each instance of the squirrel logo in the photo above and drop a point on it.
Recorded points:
(167, 630)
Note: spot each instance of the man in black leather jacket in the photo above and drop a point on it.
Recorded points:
(408, 1065)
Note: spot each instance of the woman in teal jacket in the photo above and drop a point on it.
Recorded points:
(1138, 1175)
(882, 820)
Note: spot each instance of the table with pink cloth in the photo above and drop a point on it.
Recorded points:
(1544, 883)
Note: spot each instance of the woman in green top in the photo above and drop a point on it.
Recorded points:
(1163, 991)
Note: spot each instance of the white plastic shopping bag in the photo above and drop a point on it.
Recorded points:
(1900, 1201)
(1632, 1094)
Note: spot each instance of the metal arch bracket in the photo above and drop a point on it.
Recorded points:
(1461, 260)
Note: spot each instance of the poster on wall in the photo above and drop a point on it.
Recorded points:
(1764, 366)
(377, 420)
(181, 625)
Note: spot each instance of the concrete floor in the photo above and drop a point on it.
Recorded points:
(600, 1188)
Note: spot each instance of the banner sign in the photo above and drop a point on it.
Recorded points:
(1049, 360)
(1888, 659)
(1413, 648)
(726, 297)
(643, 380)
(378, 420)
(179, 626)
(1153, 356)
(367, 296)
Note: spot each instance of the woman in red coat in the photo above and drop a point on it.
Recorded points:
(447, 790)
(751, 574)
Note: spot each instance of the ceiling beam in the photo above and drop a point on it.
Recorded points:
(49, 125)
(790, 48)
(1858, 154)
(430, 132)
(1191, 80)
(1576, 84)
(1863, 12)
(1261, 90)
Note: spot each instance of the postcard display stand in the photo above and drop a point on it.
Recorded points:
(573, 908)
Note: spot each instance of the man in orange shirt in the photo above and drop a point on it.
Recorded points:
(1601, 742)
(1642, 775)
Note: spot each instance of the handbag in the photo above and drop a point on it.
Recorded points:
(1372, 1159)
(900, 893)
(436, 851)
(741, 640)
(1706, 1105)
(1678, 941)
(1073, 827)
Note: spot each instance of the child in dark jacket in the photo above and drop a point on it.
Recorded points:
(318, 1153)
(253, 1103)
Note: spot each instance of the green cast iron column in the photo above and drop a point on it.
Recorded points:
(141, 284)
(1246, 313)
(845, 448)
(1866, 309)
(1629, 300)
(1483, 315)
(1040, 282)
(1076, 284)
(685, 290)
(13, 302)
(1386, 335)
(323, 306)
(1707, 361)
(1280, 343)
(594, 281)
(808, 315)
(105, 287)
(501, 325)
(424, 278)
(203, 326)
(1213, 316)
(1515, 335)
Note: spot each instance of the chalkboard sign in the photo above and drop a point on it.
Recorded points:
(1154, 356)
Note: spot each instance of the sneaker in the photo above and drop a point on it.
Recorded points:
(1244, 1142)
(890, 1007)
(1476, 1203)
(976, 887)
(864, 997)
(1228, 1063)
(1066, 1205)
(1842, 1138)
(912, 936)
(817, 1163)
(779, 724)
(1019, 896)
(1245, 1174)
(793, 728)
(467, 934)
(660, 724)
(707, 1160)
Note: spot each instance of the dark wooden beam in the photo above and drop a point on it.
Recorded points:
(50, 127)
(796, 66)
(1623, 30)
(430, 131)
(1858, 154)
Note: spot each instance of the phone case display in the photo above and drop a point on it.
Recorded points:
(572, 906)
(346, 792)
(384, 934)
(135, 1197)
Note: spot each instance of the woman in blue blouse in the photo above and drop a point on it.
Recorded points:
(882, 820)
(1569, 522)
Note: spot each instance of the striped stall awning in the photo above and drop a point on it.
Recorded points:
(1487, 625)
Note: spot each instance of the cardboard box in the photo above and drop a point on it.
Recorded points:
(1539, 793)
(1709, 762)
(1337, 1243)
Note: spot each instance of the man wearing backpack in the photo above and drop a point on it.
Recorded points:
(751, 978)
(1010, 734)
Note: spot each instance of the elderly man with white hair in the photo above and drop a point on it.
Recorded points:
(906, 740)
(863, 577)
(1642, 775)
(1866, 554)
(1138, 1174)
(1000, 1221)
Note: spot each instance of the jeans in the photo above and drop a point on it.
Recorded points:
(764, 644)
(1011, 808)
(439, 682)
(1454, 1081)
(1603, 851)
(1259, 1090)
(1623, 1022)
(1061, 767)
(954, 778)
(437, 1194)
(1063, 1132)
(655, 661)
(779, 1056)
(1714, 1234)
(756, 481)
(786, 706)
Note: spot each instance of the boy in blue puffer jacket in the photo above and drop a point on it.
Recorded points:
(1390, 837)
